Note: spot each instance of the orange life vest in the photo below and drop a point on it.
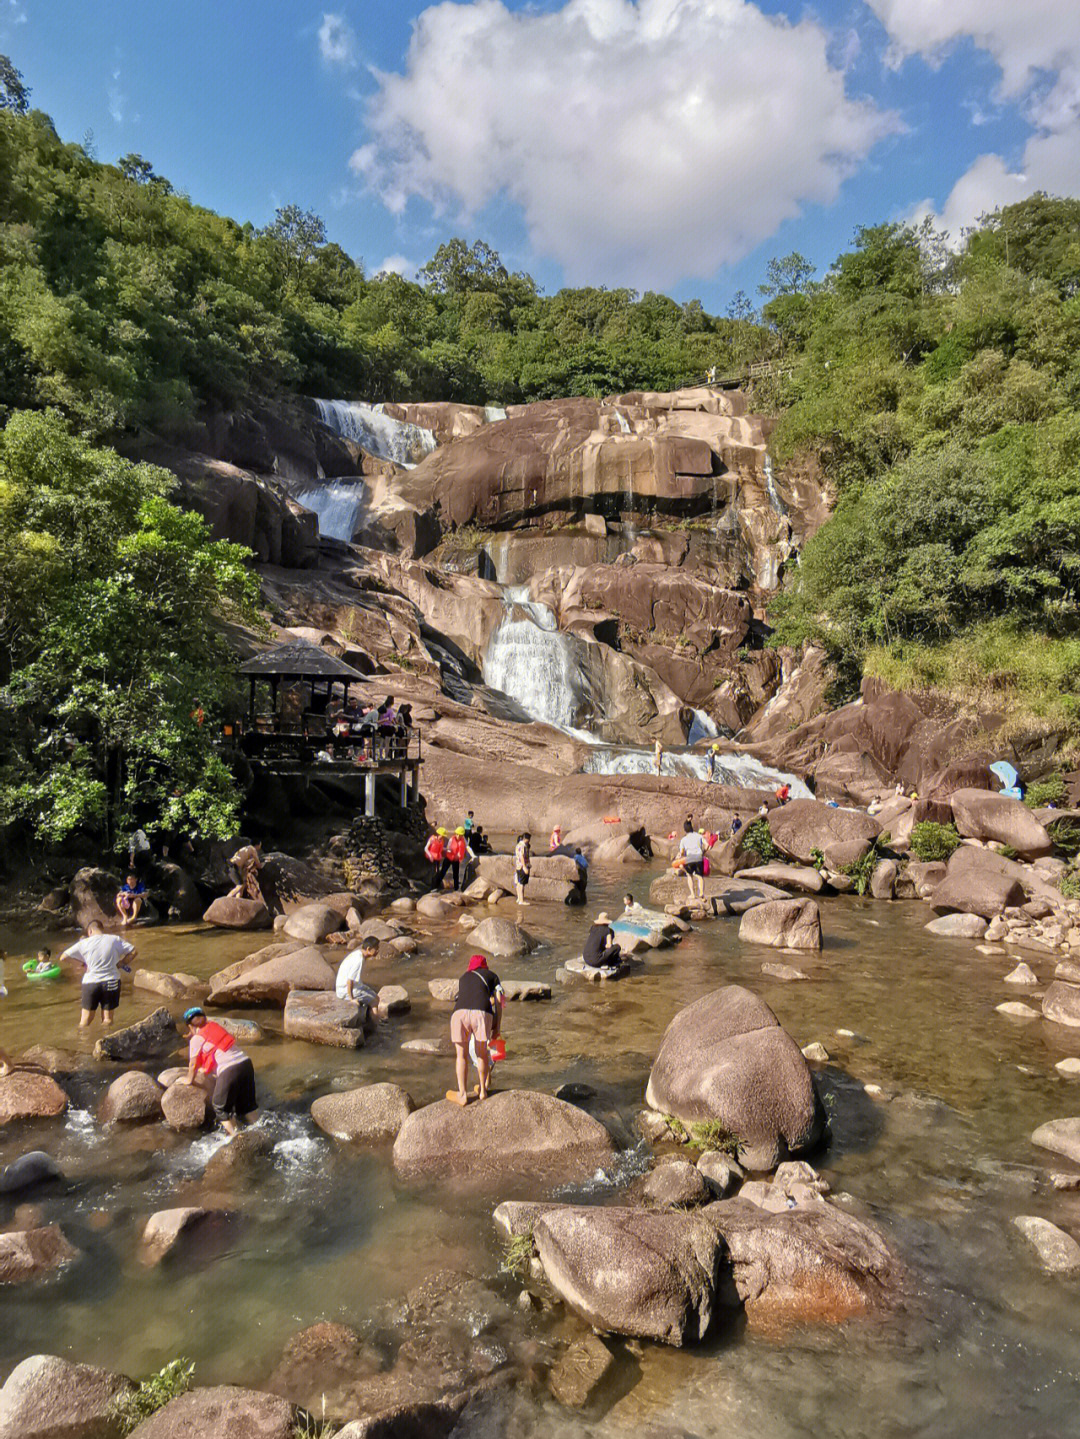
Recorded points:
(435, 848)
(219, 1041)
(456, 849)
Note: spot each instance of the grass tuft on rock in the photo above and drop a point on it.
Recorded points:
(153, 1394)
(703, 1134)
(518, 1255)
(930, 841)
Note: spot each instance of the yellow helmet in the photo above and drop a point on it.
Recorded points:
(441, 833)
(460, 830)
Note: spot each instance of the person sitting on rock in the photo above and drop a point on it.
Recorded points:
(214, 1055)
(349, 985)
(578, 894)
(130, 898)
(477, 1016)
(102, 956)
(692, 848)
(479, 840)
(247, 861)
(601, 951)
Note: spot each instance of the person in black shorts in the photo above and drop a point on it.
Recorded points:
(102, 957)
(218, 1062)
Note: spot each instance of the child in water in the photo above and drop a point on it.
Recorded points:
(44, 961)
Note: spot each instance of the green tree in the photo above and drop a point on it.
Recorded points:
(14, 91)
(110, 641)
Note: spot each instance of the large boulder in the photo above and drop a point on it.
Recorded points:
(225, 1411)
(971, 867)
(513, 1131)
(288, 884)
(978, 814)
(92, 896)
(46, 1397)
(725, 1058)
(728, 894)
(806, 1264)
(804, 825)
(957, 926)
(133, 1098)
(178, 893)
(369, 1115)
(632, 1271)
(320, 1017)
(233, 911)
(27, 1254)
(27, 1095)
(168, 1229)
(263, 955)
(1061, 1003)
(1060, 1136)
(149, 1038)
(783, 924)
(552, 877)
(186, 1107)
(976, 885)
(313, 922)
(166, 986)
(500, 937)
(272, 983)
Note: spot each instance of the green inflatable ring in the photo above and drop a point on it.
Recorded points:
(53, 972)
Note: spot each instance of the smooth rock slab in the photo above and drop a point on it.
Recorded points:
(787, 876)
(168, 1228)
(440, 1047)
(168, 986)
(33, 1253)
(1017, 1010)
(1058, 1252)
(514, 1130)
(222, 1413)
(1022, 974)
(27, 1095)
(957, 926)
(369, 1115)
(235, 912)
(46, 1397)
(1060, 1136)
(394, 999)
(272, 983)
(1070, 1068)
(786, 972)
(320, 1017)
(313, 922)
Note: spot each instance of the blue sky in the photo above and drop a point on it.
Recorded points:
(668, 144)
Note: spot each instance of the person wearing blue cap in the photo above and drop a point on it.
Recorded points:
(214, 1053)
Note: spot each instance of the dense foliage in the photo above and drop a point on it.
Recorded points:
(941, 393)
(127, 305)
(110, 651)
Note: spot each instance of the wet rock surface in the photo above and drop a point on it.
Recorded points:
(46, 1397)
(372, 1114)
(27, 1095)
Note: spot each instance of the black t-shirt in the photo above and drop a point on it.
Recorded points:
(476, 990)
(593, 953)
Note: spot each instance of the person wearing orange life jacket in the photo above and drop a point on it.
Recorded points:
(216, 1058)
(457, 852)
(435, 851)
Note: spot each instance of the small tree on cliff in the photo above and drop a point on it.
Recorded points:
(110, 642)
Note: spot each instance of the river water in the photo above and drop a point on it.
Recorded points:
(986, 1346)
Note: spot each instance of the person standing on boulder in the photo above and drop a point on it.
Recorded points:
(456, 851)
(102, 956)
(522, 865)
(692, 850)
(214, 1053)
(477, 1016)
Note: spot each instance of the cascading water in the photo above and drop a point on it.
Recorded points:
(739, 770)
(376, 433)
(532, 662)
(338, 506)
(770, 487)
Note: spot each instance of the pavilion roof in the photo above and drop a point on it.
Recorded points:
(298, 659)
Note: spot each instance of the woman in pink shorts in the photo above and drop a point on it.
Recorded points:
(478, 1016)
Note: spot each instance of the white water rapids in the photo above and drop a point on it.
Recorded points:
(338, 507)
(376, 433)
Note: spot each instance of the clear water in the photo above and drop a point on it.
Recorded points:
(985, 1348)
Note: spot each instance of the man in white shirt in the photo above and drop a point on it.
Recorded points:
(349, 985)
(102, 957)
(692, 849)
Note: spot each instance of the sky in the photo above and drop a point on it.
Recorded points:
(672, 145)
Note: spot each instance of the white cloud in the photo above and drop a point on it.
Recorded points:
(337, 42)
(117, 99)
(1037, 47)
(645, 143)
(397, 265)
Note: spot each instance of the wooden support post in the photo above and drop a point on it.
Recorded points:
(369, 794)
(404, 786)
(414, 785)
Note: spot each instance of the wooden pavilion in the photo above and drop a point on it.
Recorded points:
(298, 660)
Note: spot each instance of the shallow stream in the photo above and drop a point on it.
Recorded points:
(987, 1347)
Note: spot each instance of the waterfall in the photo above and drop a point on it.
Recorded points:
(770, 487)
(338, 506)
(739, 770)
(376, 433)
(493, 414)
(529, 660)
(702, 726)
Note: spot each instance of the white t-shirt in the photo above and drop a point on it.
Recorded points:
(692, 846)
(349, 972)
(101, 953)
